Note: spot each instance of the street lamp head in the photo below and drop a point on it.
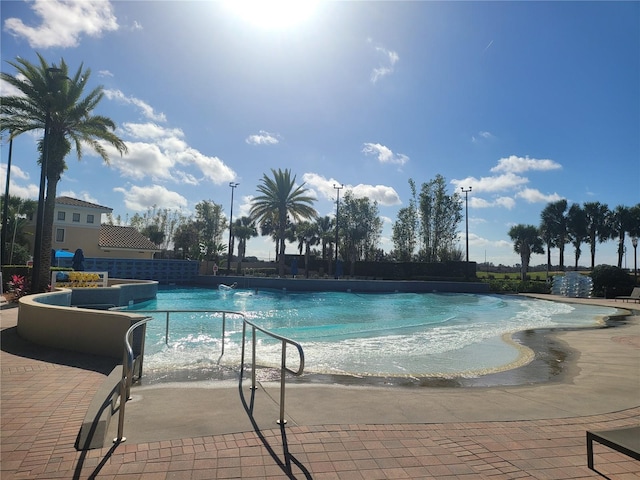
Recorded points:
(634, 242)
(233, 184)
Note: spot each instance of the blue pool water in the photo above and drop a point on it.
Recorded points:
(402, 334)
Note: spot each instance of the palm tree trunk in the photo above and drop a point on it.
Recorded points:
(47, 237)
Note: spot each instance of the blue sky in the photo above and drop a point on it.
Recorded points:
(524, 102)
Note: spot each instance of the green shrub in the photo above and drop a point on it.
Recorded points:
(610, 281)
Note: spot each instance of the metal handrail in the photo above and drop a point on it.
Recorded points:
(127, 374)
(128, 358)
(283, 360)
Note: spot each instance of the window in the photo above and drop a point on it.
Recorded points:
(61, 216)
(76, 217)
(89, 218)
(59, 234)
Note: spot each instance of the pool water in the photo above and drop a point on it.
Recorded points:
(396, 334)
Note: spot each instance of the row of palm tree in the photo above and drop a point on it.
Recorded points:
(561, 225)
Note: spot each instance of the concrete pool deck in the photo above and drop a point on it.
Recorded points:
(178, 431)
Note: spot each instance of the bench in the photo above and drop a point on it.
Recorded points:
(635, 296)
(623, 440)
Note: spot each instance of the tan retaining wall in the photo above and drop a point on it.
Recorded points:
(46, 319)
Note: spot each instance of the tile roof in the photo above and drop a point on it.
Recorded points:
(74, 202)
(114, 236)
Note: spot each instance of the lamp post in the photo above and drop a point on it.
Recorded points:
(338, 188)
(233, 186)
(634, 242)
(37, 242)
(466, 206)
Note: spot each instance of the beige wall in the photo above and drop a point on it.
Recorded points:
(96, 332)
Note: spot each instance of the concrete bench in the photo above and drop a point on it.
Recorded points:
(102, 407)
(623, 440)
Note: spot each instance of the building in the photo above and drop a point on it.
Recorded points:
(77, 224)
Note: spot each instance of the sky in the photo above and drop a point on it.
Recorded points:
(525, 103)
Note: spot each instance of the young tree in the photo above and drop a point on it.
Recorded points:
(405, 228)
(53, 101)
(440, 215)
(526, 241)
(598, 229)
(360, 228)
(210, 224)
(576, 230)
(280, 199)
(16, 247)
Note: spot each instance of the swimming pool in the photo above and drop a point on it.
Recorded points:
(395, 334)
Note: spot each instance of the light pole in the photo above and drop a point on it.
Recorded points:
(338, 188)
(634, 242)
(466, 206)
(233, 186)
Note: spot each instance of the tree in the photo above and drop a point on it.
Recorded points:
(576, 229)
(50, 98)
(440, 215)
(210, 224)
(243, 229)
(526, 241)
(405, 229)
(307, 235)
(360, 228)
(327, 233)
(553, 229)
(620, 222)
(185, 240)
(16, 248)
(279, 198)
(598, 229)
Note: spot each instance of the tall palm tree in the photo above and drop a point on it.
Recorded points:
(553, 229)
(598, 229)
(307, 235)
(526, 241)
(280, 199)
(243, 229)
(327, 233)
(620, 223)
(50, 98)
(576, 229)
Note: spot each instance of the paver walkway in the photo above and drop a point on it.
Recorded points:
(45, 395)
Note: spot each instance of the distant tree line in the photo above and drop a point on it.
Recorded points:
(560, 225)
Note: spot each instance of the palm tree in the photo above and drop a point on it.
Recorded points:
(280, 199)
(327, 233)
(576, 229)
(620, 221)
(553, 228)
(307, 235)
(597, 226)
(51, 99)
(243, 229)
(526, 241)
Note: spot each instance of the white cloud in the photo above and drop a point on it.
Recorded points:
(515, 164)
(384, 195)
(262, 138)
(508, 181)
(141, 198)
(31, 190)
(84, 195)
(105, 73)
(63, 22)
(504, 202)
(384, 154)
(157, 151)
(143, 106)
(532, 195)
(389, 59)
(482, 136)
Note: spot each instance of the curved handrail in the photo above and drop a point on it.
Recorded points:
(128, 357)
